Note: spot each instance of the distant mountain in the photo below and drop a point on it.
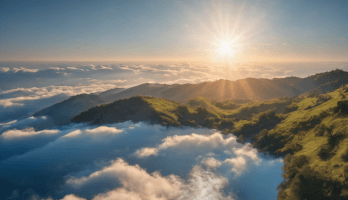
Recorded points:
(62, 112)
(146, 89)
(110, 92)
(249, 88)
(221, 90)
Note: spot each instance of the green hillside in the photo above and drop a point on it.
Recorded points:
(314, 138)
(309, 131)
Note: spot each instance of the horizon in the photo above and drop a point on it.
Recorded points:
(174, 100)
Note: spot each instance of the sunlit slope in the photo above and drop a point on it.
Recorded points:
(144, 108)
(309, 130)
(314, 136)
(249, 88)
(200, 111)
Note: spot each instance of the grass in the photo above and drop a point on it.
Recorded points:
(309, 131)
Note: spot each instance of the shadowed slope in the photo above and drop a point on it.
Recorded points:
(62, 112)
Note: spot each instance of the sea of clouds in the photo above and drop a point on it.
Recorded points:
(132, 161)
(126, 160)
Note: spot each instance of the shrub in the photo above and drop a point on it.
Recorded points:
(227, 123)
(345, 157)
(325, 152)
(289, 109)
(227, 105)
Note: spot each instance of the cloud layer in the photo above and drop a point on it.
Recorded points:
(100, 162)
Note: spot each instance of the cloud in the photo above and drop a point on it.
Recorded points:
(23, 102)
(195, 141)
(211, 163)
(145, 152)
(204, 143)
(72, 197)
(97, 132)
(15, 134)
(102, 161)
(137, 184)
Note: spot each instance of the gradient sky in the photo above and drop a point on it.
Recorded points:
(154, 30)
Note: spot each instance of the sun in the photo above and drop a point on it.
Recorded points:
(226, 49)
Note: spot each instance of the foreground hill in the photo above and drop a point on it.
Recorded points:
(62, 112)
(309, 131)
(314, 137)
(197, 112)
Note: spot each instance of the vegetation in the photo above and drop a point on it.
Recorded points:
(309, 131)
(314, 138)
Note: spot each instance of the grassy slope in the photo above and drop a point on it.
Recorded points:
(316, 135)
(309, 130)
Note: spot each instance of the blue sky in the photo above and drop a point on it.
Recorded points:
(172, 30)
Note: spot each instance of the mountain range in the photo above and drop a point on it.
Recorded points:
(302, 120)
(249, 89)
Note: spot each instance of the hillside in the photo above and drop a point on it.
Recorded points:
(62, 112)
(110, 92)
(144, 108)
(249, 88)
(309, 131)
(314, 138)
(145, 89)
(240, 91)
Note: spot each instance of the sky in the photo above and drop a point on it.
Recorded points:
(154, 30)
(52, 50)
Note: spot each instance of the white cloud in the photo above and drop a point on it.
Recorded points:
(97, 132)
(23, 69)
(238, 164)
(203, 143)
(194, 141)
(137, 184)
(145, 152)
(50, 91)
(15, 134)
(211, 163)
(5, 69)
(72, 197)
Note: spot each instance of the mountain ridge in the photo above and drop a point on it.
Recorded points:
(221, 90)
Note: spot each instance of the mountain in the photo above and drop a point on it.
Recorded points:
(309, 131)
(313, 137)
(145, 108)
(146, 89)
(249, 88)
(197, 112)
(62, 112)
(222, 90)
(110, 92)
